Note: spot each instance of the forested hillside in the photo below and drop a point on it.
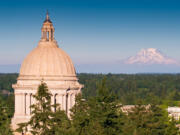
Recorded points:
(101, 114)
(149, 88)
(6, 81)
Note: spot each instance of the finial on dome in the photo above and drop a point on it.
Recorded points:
(47, 17)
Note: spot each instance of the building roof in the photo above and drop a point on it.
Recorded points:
(47, 59)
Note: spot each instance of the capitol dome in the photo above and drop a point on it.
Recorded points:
(49, 64)
(47, 60)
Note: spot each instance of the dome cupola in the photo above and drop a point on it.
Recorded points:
(47, 30)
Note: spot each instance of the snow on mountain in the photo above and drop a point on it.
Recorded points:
(151, 56)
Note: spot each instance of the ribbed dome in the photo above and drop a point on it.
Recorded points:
(47, 59)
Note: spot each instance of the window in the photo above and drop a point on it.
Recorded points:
(48, 35)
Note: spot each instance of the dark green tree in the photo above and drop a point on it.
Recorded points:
(5, 119)
(44, 121)
(98, 115)
(60, 123)
(80, 116)
(104, 113)
(172, 128)
(149, 120)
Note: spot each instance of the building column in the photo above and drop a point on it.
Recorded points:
(18, 103)
(23, 107)
(69, 104)
(28, 100)
(64, 102)
(59, 101)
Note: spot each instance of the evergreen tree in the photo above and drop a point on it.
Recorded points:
(98, 115)
(104, 114)
(172, 128)
(4, 120)
(44, 121)
(158, 122)
(135, 124)
(80, 116)
(60, 123)
(149, 120)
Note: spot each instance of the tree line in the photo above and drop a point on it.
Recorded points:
(163, 89)
(97, 111)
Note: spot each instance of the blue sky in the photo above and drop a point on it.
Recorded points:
(91, 31)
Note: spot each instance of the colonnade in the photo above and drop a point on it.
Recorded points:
(23, 101)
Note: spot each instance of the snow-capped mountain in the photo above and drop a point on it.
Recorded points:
(151, 56)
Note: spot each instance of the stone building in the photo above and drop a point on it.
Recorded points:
(174, 112)
(51, 64)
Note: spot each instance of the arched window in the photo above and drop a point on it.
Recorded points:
(52, 35)
(48, 35)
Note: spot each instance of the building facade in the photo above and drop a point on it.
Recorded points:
(51, 64)
(174, 112)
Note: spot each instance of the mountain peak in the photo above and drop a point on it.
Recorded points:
(150, 56)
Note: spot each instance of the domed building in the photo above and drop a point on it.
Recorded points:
(51, 64)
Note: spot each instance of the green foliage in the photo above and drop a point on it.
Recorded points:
(4, 119)
(97, 111)
(98, 115)
(149, 88)
(60, 124)
(6, 81)
(41, 112)
(44, 121)
(104, 110)
(80, 116)
(101, 115)
(149, 120)
(172, 128)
